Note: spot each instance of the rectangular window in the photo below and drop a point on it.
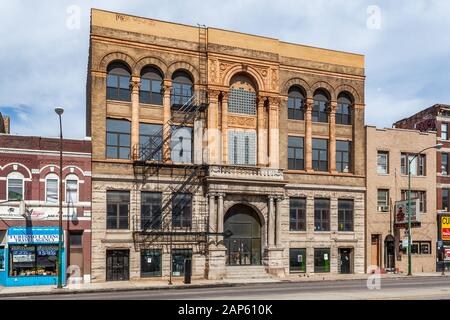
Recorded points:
(321, 260)
(421, 195)
(343, 156)
(345, 215)
(151, 210)
(179, 257)
(383, 200)
(181, 94)
(444, 164)
(51, 190)
(295, 108)
(321, 214)
(118, 139)
(182, 210)
(118, 204)
(297, 213)
(118, 87)
(151, 265)
(150, 141)
(296, 153)
(417, 165)
(150, 91)
(444, 131)
(33, 260)
(383, 162)
(181, 145)
(242, 101)
(76, 239)
(343, 114)
(320, 154)
(421, 247)
(15, 189)
(319, 111)
(71, 191)
(242, 147)
(445, 203)
(297, 260)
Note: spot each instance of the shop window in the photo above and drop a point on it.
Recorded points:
(321, 260)
(296, 100)
(2, 258)
(71, 189)
(151, 86)
(383, 162)
(383, 200)
(118, 203)
(30, 260)
(320, 154)
(51, 188)
(417, 165)
(421, 247)
(321, 214)
(15, 187)
(297, 212)
(178, 258)
(343, 156)
(421, 195)
(296, 153)
(297, 260)
(118, 82)
(345, 215)
(181, 145)
(151, 210)
(150, 140)
(118, 139)
(182, 210)
(151, 263)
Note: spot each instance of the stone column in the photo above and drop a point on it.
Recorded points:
(224, 128)
(274, 141)
(308, 134)
(332, 141)
(134, 86)
(166, 117)
(213, 129)
(220, 217)
(212, 216)
(278, 222)
(271, 229)
(262, 134)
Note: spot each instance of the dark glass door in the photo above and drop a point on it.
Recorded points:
(345, 261)
(390, 255)
(117, 265)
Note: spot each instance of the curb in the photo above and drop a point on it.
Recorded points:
(194, 286)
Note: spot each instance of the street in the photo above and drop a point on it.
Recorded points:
(430, 288)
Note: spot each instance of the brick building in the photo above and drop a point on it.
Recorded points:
(387, 183)
(29, 208)
(242, 154)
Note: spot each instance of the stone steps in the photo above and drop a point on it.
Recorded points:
(246, 272)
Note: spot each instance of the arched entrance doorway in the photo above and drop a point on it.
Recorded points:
(242, 239)
(389, 251)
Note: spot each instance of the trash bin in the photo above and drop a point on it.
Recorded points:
(187, 271)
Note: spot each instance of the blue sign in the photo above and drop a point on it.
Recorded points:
(33, 235)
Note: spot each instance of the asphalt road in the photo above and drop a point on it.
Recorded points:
(404, 288)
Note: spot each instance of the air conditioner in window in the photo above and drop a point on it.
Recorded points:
(383, 208)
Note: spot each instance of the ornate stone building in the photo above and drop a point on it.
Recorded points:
(241, 154)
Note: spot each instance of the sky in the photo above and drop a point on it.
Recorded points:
(44, 49)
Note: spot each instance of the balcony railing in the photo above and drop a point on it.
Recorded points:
(241, 172)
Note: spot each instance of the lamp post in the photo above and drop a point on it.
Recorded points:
(59, 112)
(437, 146)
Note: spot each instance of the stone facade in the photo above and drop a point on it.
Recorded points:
(215, 59)
(380, 225)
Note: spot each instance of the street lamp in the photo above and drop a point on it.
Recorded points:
(437, 146)
(59, 112)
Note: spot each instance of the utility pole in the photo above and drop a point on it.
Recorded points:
(59, 112)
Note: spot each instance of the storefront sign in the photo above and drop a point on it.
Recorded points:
(23, 235)
(445, 228)
(37, 213)
(401, 213)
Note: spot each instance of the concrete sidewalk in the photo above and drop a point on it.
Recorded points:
(162, 284)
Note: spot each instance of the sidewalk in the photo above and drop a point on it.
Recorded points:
(178, 284)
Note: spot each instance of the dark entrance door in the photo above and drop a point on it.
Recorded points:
(243, 236)
(117, 265)
(345, 260)
(389, 261)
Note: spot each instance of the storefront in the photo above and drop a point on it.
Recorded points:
(29, 256)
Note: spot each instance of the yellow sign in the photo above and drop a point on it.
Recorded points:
(445, 228)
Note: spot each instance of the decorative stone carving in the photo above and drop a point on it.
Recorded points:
(241, 121)
(274, 101)
(213, 71)
(213, 94)
(274, 80)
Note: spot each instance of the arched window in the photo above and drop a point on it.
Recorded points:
(181, 89)
(296, 100)
(151, 86)
(118, 82)
(72, 193)
(344, 109)
(15, 186)
(319, 111)
(51, 188)
(242, 97)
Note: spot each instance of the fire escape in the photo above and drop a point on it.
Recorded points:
(162, 230)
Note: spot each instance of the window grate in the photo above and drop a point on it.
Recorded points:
(242, 101)
(242, 147)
